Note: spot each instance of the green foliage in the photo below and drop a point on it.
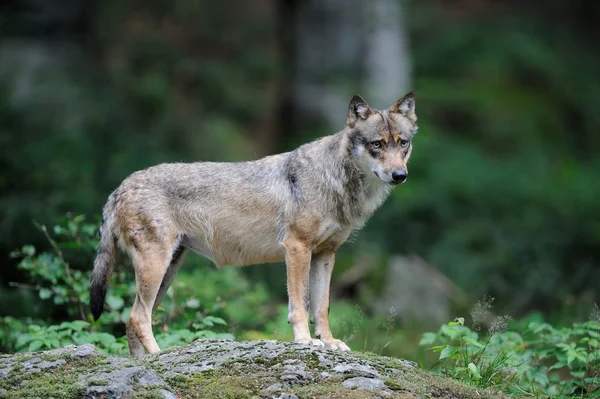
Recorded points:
(54, 278)
(78, 332)
(539, 361)
(52, 275)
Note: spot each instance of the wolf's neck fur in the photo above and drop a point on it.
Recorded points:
(355, 193)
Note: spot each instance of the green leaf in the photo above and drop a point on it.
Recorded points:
(578, 373)
(474, 372)
(22, 340)
(35, 345)
(78, 325)
(557, 365)
(53, 342)
(214, 320)
(473, 342)
(106, 339)
(451, 332)
(28, 250)
(64, 334)
(448, 351)
(428, 338)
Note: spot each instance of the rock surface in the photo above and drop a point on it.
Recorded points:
(221, 369)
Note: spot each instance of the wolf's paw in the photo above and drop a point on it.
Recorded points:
(335, 344)
(309, 341)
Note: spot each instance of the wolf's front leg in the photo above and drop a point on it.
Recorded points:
(320, 278)
(297, 260)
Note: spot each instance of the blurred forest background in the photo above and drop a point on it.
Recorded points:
(503, 198)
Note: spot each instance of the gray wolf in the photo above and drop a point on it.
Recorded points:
(299, 206)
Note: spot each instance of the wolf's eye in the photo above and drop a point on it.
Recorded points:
(376, 144)
(404, 143)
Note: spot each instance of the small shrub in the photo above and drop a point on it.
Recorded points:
(540, 361)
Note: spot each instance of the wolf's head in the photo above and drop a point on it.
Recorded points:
(382, 140)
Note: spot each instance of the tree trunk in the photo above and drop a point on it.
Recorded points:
(344, 47)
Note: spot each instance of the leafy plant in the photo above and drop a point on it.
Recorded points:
(540, 361)
(52, 276)
(466, 356)
(66, 333)
(574, 352)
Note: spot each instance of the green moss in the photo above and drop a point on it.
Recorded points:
(242, 378)
(147, 393)
(52, 358)
(418, 381)
(424, 383)
(58, 382)
(238, 378)
(220, 384)
(312, 361)
(178, 381)
(393, 385)
(260, 360)
(23, 357)
(53, 383)
(330, 389)
(236, 360)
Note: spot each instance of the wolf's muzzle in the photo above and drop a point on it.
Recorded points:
(399, 176)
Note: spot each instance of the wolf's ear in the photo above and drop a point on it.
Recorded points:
(405, 106)
(358, 109)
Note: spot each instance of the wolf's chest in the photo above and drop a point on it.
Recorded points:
(367, 203)
(327, 229)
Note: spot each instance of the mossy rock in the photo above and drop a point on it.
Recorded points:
(222, 369)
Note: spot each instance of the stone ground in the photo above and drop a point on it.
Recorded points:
(214, 368)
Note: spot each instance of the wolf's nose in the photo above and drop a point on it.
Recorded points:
(399, 176)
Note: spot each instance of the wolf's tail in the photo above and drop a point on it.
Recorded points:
(105, 259)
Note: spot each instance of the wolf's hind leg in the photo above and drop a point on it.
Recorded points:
(136, 349)
(150, 266)
(321, 268)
